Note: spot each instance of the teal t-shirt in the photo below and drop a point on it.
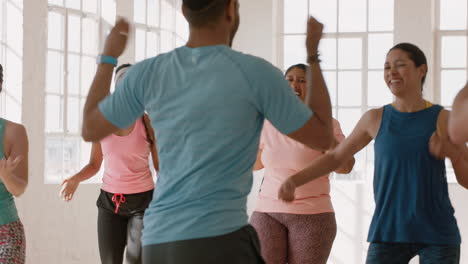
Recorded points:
(8, 212)
(207, 106)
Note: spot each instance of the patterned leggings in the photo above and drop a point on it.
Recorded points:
(294, 238)
(12, 243)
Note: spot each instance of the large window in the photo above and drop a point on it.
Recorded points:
(11, 56)
(357, 36)
(76, 31)
(452, 56)
(159, 27)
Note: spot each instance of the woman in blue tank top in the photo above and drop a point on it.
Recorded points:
(13, 181)
(413, 214)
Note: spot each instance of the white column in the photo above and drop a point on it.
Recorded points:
(256, 34)
(415, 23)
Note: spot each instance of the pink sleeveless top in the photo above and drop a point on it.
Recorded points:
(126, 164)
(283, 157)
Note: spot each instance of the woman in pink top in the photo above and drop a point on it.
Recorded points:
(127, 187)
(302, 231)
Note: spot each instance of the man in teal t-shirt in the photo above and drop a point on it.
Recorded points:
(207, 104)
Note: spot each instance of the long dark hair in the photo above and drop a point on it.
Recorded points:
(301, 66)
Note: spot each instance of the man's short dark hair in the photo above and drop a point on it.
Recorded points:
(202, 13)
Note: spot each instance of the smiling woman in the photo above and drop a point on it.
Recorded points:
(288, 232)
(409, 175)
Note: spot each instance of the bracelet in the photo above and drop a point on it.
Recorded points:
(311, 59)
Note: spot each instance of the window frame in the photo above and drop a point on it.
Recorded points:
(158, 30)
(5, 47)
(64, 133)
(439, 34)
(366, 155)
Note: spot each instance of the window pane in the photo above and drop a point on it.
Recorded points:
(381, 15)
(14, 29)
(139, 11)
(330, 80)
(85, 153)
(13, 108)
(295, 16)
(108, 11)
(294, 50)
(454, 51)
(451, 83)
(55, 72)
(74, 33)
(352, 15)
(167, 41)
(453, 14)
(349, 88)
(73, 115)
(75, 4)
(55, 31)
(140, 44)
(348, 119)
(53, 159)
(14, 75)
(73, 74)
(325, 12)
(54, 110)
(90, 6)
(350, 53)
(71, 158)
(88, 70)
(167, 15)
(153, 12)
(152, 44)
(379, 44)
(378, 94)
(182, 27)
(328, 53)
(90, 36)
(56, 2)
(180, 42)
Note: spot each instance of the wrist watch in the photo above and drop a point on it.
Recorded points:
(106, 60)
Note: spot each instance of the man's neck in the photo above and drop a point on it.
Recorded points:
(201, 37)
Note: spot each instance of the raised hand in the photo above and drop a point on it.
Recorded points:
(314, 34)
(116, 41)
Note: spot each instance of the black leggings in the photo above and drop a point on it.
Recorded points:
(239, 247)
(117, 230)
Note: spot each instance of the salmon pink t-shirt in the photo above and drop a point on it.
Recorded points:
(126, 165)
(283, 157)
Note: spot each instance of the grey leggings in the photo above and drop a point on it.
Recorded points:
(294, 238)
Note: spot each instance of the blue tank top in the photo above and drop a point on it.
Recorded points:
(410, 185)
(8, 212)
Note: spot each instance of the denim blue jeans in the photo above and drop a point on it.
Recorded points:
(402, 253)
